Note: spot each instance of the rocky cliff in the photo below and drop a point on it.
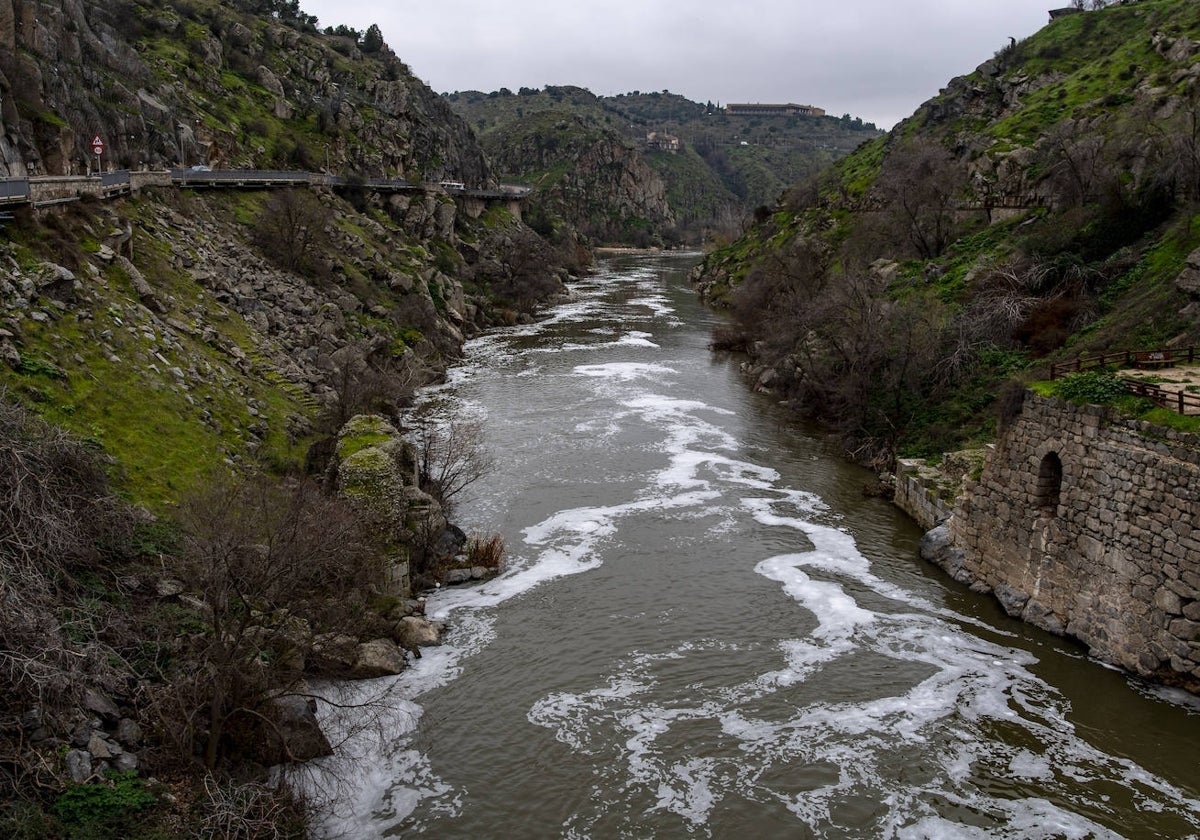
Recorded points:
(208, 83)
(586, 176)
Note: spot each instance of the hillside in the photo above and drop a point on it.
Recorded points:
(210, 496)
(1040, 207)
(724, 167)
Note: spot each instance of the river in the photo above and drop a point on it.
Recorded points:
(705, 629)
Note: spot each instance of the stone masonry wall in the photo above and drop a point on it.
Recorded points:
(1086, 524)
(918, 494)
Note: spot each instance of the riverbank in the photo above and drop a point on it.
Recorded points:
(1080, 522)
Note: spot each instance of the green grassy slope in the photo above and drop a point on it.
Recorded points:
(1038, 208)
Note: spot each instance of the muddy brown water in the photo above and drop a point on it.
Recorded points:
(706, 630)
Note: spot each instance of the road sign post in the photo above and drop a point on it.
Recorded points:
(97, 150)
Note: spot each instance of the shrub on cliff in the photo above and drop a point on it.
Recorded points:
(60, 530)
(269, 568)
(1096, 387)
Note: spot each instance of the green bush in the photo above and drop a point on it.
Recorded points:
(1100, 386)
(107, 809)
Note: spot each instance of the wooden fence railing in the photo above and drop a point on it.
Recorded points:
(1180, 401)
(1131, 358)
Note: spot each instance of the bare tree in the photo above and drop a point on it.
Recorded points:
(1074, 161)
(291, 230)
(270, 568)
(451, 456)
(919, 185)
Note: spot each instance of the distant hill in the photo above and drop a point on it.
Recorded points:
(722, 168)
(1043, 206)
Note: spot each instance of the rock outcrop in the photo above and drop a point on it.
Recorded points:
(590, 177)
(155, 84)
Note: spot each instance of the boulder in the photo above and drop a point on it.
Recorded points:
(334, 653)
(97, 747)
(144, 290)
(1040, 615)
(1011, 599)
(287, 732)
(378, 658)
(1188, 280)
(96, 702)
(937, 549)
(79, 765)
(129, 732)
(456, 576)
(414, 631)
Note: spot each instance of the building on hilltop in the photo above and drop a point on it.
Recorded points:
(759, 109)
(1055, 14)
(663, 142)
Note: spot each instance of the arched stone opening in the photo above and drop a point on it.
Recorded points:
(1049, 484)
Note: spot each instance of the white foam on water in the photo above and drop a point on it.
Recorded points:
(658, 305)
(945, 720)
(636, 339)
(624, 371)
(375, 779)
(1026, 765)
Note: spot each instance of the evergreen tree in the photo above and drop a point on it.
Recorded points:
(372, 42)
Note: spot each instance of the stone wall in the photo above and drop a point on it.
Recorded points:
(918, 493)
(1085, 523)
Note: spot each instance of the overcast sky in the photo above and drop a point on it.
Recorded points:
(875, 59)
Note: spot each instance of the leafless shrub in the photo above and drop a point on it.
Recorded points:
(1031, 301)
(268, 568)
(57, 520)
(451, 456)
(1004, 298)
(248, 811)
(726, 337)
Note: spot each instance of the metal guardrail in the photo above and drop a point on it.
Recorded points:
(111, 184)
(14, 189)
(238, 177)
(382, 184)
(1132, 358)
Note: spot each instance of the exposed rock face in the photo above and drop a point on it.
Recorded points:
(1084, 523)
(149, 110)
(593, 178)
(1188, 280)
